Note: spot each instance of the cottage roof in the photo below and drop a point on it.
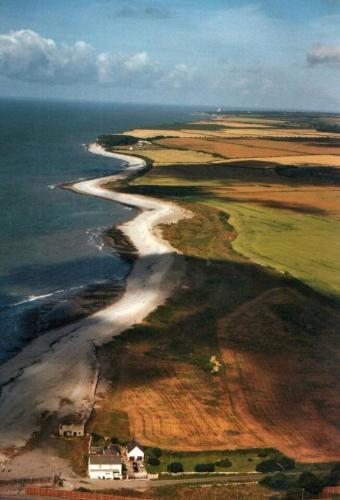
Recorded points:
(105, 460)
(133, 444)
(73, 419)
(112, 449)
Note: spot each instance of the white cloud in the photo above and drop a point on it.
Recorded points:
(27, 56)
(179, 77)
(137, 70)
(324, 54)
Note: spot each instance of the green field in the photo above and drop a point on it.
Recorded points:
(306, 246)
(242, 460)
(108, 423)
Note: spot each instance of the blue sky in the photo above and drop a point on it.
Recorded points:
(238, 53)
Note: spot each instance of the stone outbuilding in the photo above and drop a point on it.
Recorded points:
(71, 427)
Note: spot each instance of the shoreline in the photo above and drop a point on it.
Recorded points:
(55, 372)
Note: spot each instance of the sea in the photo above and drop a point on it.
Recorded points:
(55, 263)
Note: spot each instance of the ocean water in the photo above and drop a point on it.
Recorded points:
(54, 263)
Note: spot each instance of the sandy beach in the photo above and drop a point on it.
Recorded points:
(56, 372)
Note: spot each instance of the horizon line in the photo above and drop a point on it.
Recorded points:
(204, 108)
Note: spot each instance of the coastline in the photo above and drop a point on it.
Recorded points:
(56, 372)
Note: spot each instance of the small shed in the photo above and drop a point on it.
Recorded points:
(134, 452)
(105, 467)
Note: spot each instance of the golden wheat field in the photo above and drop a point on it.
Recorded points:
(226, 148)
(175, 156)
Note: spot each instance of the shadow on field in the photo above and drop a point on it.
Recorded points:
(282, 336)
(235, 172)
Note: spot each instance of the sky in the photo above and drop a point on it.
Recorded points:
(272, 54)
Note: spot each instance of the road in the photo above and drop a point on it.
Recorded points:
(144, 484)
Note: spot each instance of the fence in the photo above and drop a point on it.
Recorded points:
(24, 481)
(73, 495)
(328, 491)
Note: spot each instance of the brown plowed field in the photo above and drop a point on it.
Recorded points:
(316, 160)
(175, 405)
(309, 147)
(267, 133)
(247, 148)
(224, 148)
(318, 201)
(278, 384)
(275, 388)
(234, 133)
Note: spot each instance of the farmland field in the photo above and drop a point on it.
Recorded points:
(324, 160)
(170, 156)
(260, 294)
(275, 238)
(226, 148)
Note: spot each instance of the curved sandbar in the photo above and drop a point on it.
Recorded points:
(57, 371)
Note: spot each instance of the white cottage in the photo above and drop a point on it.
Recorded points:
(134, 452)
(105, 467)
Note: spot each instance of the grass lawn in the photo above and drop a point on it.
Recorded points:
(306, 246)
(109, 423)
(242, 460)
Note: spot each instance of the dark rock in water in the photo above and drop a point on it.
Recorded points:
(121, 243)
(57, 313)
(56, 310)
(63, 309)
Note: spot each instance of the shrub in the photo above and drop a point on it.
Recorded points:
(97, 439)
(117, 140)
(224, 462)
(269, 465)
(276, 464)
(153, 461)
(204, 468)
(122, 442)
(175, 467)
(333, 479)
(278, 481)
(287, 463)
(157, 452)
(310, 482)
